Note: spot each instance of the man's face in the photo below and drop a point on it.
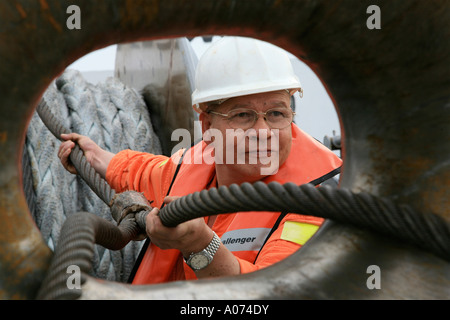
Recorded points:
(248, 154)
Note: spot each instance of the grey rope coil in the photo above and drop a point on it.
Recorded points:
(84, 168)
(428, 231)
(76, 248)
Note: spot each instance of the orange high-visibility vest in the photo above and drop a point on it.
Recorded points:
(257, 239)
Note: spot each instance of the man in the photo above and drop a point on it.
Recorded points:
(243, 87)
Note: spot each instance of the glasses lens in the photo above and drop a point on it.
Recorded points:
(279, 118)
(241, 118)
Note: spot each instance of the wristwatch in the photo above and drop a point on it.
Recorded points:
(202, 259)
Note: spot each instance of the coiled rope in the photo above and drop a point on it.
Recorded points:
(427, 231)
(100, 187)
(76, 249)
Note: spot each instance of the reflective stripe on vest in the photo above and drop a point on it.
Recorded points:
(298, 232)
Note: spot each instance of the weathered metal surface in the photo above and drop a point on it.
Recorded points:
(390, 86)
(333, 265)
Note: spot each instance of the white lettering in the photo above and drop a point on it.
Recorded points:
(74, 21)
(214, 151)
(237, 147)
(197, 310)
(244, 309)
(74, 280)
(374, 21)
(185, 142)
(374, 281)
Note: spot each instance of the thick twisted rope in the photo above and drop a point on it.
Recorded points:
(428, 231)
(76, 248)
(83, 167)
(115, 117)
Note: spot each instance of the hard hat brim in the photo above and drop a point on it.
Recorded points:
(222, 97)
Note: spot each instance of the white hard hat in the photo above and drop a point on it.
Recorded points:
(238, 66)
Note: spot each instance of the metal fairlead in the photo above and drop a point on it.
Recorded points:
(390, 87)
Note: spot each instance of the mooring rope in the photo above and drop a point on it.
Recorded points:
(83, 167)
(427, 231)
(116, 117)
(76, 249)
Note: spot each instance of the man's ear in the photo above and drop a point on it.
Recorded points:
(205, 120)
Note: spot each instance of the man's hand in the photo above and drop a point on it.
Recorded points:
(96, 156)
(190, 236)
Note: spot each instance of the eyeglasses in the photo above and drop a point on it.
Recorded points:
(242, 118)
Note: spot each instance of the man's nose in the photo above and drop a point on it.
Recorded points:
(262, 127)
(261, 123)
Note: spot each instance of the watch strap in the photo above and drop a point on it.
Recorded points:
(209, 251)
(213, 246)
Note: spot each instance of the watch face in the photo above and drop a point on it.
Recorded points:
(199, 261)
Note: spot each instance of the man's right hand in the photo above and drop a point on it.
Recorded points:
(96, 156)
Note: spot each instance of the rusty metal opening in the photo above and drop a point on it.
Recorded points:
(390, 86)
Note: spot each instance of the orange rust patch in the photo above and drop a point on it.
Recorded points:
(21, 11)
(44, 4)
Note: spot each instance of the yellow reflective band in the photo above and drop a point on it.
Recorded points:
(163, 163)
(298, 232)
